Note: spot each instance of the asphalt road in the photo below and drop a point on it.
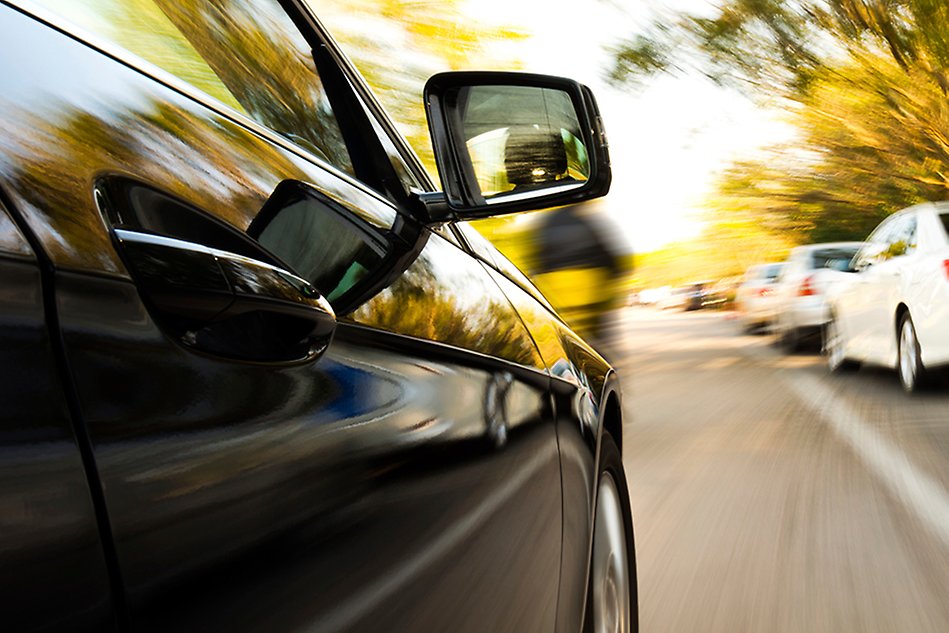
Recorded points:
(769, 496)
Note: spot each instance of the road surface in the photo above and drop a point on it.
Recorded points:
(769, 496)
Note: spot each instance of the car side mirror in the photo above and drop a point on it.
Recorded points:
(510, 142)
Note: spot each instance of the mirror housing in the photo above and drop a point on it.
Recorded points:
(509, 142)
(345, 257)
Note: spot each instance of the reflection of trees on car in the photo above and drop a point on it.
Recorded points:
(47, 155)
(426, 302)
(247, 55)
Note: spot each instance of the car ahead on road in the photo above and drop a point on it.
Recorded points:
(254, 379)
(696, 296)
(800, 291)
(754, 298)
(894, 309)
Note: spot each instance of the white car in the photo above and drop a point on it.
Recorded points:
(894, 309)
(800, 292)
(754, 299)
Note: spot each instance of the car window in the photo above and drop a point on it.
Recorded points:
(409, 180)
(246, 54)
(874, 249)
(837, 258)
(901, 240)
(771, 271)
(944, 218)
(880, 234)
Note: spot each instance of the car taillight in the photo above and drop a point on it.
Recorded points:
(946, 264)
(807, 288)
(764, 292)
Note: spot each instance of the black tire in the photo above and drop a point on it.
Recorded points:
(909, 363)
(611, 470)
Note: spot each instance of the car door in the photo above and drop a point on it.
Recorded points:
(883, 289)
(854, 309)
(406, 477)
(53, 574)
(586, 393)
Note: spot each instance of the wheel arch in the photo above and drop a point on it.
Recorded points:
(901, 309)
(611, 422)
(611, 418)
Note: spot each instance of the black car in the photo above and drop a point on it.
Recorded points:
(255, 378)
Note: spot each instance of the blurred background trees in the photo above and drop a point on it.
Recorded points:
(864, 82)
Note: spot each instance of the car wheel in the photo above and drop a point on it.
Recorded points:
(909, 364)
(613, 592)
(833, 348)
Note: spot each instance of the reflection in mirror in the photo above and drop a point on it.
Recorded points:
(522, 138)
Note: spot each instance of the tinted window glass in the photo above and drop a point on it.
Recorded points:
(944, 217)
(245, 53)
(402, 171)
(835, 258)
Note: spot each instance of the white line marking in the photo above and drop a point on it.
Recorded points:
(919, 493)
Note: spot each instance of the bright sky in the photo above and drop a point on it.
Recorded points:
(669, 139)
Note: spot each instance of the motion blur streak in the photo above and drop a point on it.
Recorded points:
(348, 613)
(921, 494)
(772, 497)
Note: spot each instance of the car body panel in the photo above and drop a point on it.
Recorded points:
(53, 570)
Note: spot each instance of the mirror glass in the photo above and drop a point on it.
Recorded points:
(522, 139)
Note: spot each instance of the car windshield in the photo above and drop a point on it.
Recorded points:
(834, 258)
